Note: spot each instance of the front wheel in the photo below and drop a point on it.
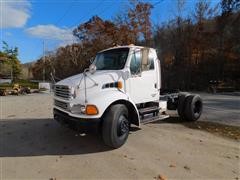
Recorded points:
(115, 128)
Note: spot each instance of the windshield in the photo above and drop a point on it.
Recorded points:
(113, 59)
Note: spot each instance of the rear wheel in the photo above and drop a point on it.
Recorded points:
(193, 107)
(181, 105)
(115, 127)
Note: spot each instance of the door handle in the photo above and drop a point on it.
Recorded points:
(153, 95)
(155, 85)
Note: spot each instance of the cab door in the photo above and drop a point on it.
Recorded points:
(143, 79)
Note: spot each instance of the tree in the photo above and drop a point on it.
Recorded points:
(43, 63)
(136, 22)
(11, 59)
(230, 6)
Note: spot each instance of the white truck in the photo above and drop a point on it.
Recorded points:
(120, 88)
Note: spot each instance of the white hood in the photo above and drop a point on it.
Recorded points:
(94, 82)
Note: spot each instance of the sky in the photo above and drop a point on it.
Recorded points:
(28, 24)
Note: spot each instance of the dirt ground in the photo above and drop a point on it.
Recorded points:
(34, 146)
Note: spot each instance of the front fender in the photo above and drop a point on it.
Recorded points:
(105, 99)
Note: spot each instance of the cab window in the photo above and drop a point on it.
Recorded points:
(135, 65)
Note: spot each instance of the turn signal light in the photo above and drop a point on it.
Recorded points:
(119, 85)
(91, 110)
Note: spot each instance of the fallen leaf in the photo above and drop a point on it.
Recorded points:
(160, 177)
(228, 157)
(187, 168)
(172, 165)
(52, 178)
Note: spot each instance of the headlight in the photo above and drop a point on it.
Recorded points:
(73, 92)
(77, 109)
(72, 89)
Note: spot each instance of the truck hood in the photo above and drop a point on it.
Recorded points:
(98, 79)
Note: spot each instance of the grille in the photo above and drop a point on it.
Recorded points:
(62, 91)
(61, 104)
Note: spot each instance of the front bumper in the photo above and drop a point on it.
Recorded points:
(79, 124)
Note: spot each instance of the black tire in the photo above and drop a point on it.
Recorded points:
(181, 105)
(193, 107)
(115, 127)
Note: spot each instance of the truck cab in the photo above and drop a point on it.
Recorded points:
(120, 88)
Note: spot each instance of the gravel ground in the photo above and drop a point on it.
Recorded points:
(33, 146)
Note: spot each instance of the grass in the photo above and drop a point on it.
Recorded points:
(21, 82)
(229, 131)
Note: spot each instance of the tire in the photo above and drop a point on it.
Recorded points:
(115, 127)
(181, 105)
(193, 107)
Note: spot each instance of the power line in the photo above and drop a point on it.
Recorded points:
(104, 10)
(154, 5)
(66, 12)
(79, 20)
(157, 3)
(91, 10)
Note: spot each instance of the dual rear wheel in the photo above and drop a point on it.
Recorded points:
(189, 106)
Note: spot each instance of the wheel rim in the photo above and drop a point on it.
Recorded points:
(197, 107)
(123, 126)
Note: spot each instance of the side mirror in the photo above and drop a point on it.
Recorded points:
(92, 68)
(145, 59)
(92, 59)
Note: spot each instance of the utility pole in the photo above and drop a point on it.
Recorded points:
(43, 61)
(11, 74)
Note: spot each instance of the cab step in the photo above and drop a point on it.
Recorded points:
(148, 110)
(153, 119)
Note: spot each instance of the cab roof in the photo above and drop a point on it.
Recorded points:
(126, 46)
